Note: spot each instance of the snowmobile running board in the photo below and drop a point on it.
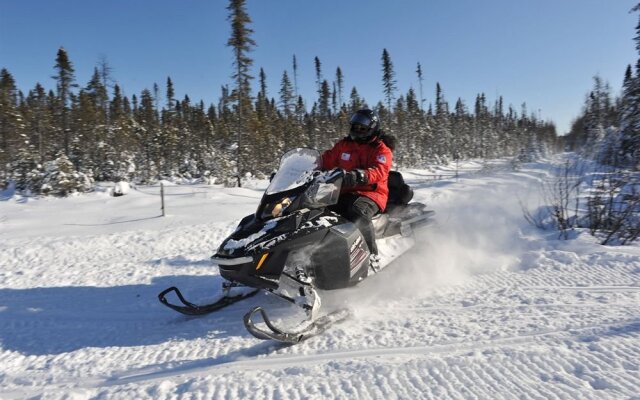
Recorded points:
(189, 308)
(314, 328)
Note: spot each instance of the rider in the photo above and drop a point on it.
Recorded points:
(366, 160)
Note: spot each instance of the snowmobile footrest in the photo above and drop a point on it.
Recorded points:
(189, 308)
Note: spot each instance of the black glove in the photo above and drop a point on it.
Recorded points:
(353, 178)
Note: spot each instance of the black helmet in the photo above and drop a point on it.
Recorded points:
(364, 125)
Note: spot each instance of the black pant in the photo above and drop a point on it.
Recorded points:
(359, 210)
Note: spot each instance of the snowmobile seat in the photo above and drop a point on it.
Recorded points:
(399, 192)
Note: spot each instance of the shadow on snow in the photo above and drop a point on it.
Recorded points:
(55, 320)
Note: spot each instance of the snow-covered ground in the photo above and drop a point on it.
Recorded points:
(485, 306)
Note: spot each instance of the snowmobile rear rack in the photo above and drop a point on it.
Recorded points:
(188, 308)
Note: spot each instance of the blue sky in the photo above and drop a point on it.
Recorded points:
(542, 52)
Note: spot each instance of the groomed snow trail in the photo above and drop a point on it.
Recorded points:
(484, 307)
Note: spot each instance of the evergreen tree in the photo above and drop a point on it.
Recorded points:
(65, 81)
(17, 153)
(170, 94)
(39, 120)
(325, 98)
(295, 76)
(105, 71)
(420, 80)
(170, 133)
(241, 43)
(287, 97)
(262, 102)
(388, 78)
(461, 132)
(147, 127)
(61, 178)
(121, 138)
(596, 117)
(339, 86)
(318, 69)
(355, 102)
(442, 132)
(92, 145)
(99, 95)
(9, 121)
(630, 108)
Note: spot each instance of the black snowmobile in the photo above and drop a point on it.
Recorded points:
(294, 246)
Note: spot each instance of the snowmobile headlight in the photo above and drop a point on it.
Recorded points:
(279, 207)
(231, 261)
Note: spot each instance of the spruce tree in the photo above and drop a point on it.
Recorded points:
(99, 94)
(170, 134)
(318, 68)
(630, 109)
(295, 76)
(339, 86)
(287, 96)
(443, 127)
(262, 102)
(461, 132)
(355, 101)
(420, 80)
(65, 82)
(40, 125)
(241, 43)
(61, 178)
(9, 118)
(388, 79)
(147, 133)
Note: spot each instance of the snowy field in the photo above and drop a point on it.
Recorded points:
(486, 306)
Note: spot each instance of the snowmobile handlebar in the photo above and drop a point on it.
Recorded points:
(333, 175)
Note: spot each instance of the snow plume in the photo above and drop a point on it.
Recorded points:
(469, 237)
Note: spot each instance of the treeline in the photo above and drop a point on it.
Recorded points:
(603, 193)
(63, 139)
(609, 128)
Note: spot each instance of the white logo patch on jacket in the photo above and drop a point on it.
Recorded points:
(382, 159)
(346, 156)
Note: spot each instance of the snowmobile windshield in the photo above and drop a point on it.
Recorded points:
(296, 169)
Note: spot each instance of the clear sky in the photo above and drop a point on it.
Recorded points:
(542, 52)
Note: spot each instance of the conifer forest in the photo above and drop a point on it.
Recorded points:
(62, 135)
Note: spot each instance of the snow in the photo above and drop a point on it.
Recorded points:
(236, 244)
(485, 306)
(121, 188)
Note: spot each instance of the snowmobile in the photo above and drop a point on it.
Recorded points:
(295, 247)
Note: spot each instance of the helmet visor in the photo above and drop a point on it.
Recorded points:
(361, 119)
(359, 132)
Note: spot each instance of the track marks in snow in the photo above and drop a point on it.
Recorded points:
(491, 314)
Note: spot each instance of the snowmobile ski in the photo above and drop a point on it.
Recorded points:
(314, 328)
(188, 308)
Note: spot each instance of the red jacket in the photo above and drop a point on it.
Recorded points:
(373, 158)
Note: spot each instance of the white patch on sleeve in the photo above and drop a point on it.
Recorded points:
(382, 159)
(346, 156)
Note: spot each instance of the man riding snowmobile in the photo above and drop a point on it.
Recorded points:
(366, 160)
(297, 244)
